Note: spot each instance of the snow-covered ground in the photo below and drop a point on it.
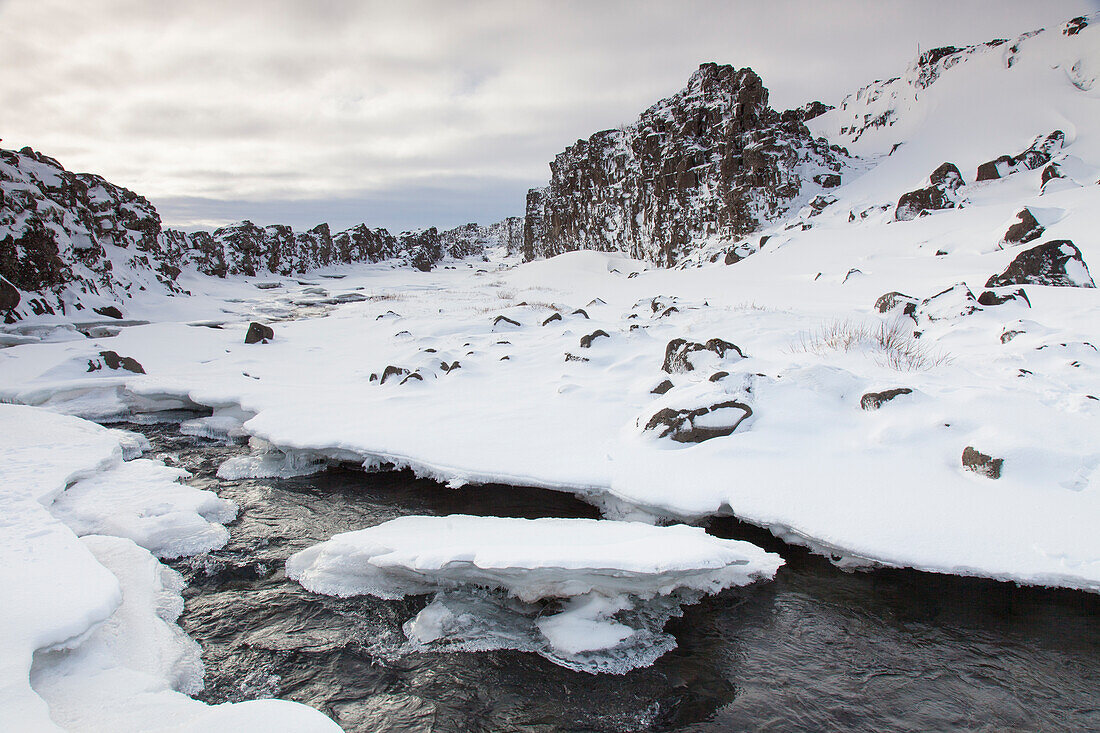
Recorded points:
(89, 639)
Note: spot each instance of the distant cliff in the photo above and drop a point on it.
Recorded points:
(71, 241)
(713, 162)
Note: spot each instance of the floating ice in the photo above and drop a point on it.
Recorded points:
(586, 594)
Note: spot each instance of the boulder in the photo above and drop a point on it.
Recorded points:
(393, 372)
(954, 302)
(678, 353)
(258, 333)
(113, 361)
(874, 400)
(980, 463)
(697, 425)
(990, 297)
(1025, 230)
(944, 181)
(893, 299)
(505, 320)
(663, 387)
(827, 180)
(109, 311)
(1057, 263)
(551, 319)
(586, 341)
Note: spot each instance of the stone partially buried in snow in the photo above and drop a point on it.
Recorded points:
(113, 361)
(679, 352)
(258, 333)
(1058, 263)
(875, 400)
(980, 463)
(892, 300)
(109, 311)
(944, 181)
(697, 425)
(1002, 296)
(1025, 230)
(954, 302)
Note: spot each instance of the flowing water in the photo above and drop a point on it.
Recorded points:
(817, 649)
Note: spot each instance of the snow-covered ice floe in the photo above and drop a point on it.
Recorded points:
(88, 639)
(590, 595)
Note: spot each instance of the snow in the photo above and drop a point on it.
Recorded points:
(605, 573)
(91, 619)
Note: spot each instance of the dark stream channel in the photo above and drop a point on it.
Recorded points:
(817, 649)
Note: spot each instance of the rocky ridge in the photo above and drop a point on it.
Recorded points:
(74, 241)
(713, 162)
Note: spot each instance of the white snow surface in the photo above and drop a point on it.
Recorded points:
(96, 615)
(531, 559)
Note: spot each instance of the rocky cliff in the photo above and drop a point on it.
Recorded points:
(712, 163)
(73, 241)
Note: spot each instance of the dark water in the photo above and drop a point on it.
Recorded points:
(817, 649)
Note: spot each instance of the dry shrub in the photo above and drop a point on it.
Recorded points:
(892, 342)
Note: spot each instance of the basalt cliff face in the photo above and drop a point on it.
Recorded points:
(74, 241)
(711, 163)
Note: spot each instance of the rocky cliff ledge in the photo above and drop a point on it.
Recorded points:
(71, 241)
(713, 162)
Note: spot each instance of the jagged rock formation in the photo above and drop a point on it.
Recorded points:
(713, 162)
(67, 237)
(71, 241)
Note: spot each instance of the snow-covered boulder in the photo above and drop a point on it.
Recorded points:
(1057, 262)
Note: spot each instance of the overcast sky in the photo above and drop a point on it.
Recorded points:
(404, 114)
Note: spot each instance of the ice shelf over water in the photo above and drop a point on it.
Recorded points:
(610, 585)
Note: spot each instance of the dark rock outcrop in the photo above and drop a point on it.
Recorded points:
(663, 387)
(874, 400)
(980, 463)
(954, 302)
(943, 182)
(712, 162)
(258, 333)
(891, 300)
(9, 295)
(686, 426)
(1057, 263)
(1039, 153)
(114, 362)
(1025, 230)
(586, 341)
(678, 353)
(990, 297)
(109, 311)
(551, 319)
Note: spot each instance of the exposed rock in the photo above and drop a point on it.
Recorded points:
(574, 357)
(944, 181)
(586, 341)
(713, 161)
(978, 462)
(413, 375)
(874, 400)
(891, 300)
(505, 320)
(580, 312)
(9, 295)
(1075, 25)
(1037, 154)
(1009, 335)
(678, 353)
(1050, 172)
(718, 376)
(1057, 263)
(954, 302)
(448, 368)
(697, 425)
(393, 372)
(663, 387)
(113, 361)
(551, 319)
(258, 333)
(1025, 230)
(827, 180)
(109, 311)
(989, 297)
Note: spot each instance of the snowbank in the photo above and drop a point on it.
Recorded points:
(95, 615)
